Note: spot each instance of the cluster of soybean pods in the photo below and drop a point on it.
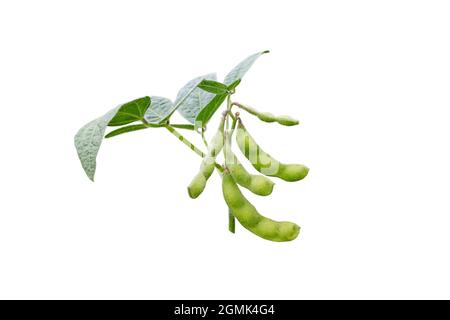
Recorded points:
(234, 175)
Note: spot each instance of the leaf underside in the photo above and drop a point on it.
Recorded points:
(196, 100)
(160, 109)
(88, 140)
(182, 96)
(238, 72)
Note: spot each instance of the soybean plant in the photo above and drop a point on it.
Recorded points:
(197, 102)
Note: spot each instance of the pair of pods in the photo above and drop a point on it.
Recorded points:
(198, 184)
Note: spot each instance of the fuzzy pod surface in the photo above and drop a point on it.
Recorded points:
(198, 183)
(264, 162)
(257, 184)
(249, 218)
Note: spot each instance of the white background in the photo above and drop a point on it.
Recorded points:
(369, 81)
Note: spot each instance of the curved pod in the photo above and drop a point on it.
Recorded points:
(257, 184)
(249, 218)
(264, 162)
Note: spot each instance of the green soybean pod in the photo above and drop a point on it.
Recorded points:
(265, 163)
(198, 184)
(249, 218)
(269, 117)
(286, 120)
(266, 117)
(257, 184)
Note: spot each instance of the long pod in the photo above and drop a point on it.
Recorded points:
(264, 162)
(249, 218)
(257, 184)
(269, 117)
(198, 184)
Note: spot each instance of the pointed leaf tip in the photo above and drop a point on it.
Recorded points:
(241, 69)
(89, 139)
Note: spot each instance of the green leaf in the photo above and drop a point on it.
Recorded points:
(241, 69)
(88, 140)
(213, 87)
(160, 110)
(205, 115)
(232, 86)
(196, 100)
(130, 112)
(126, 129)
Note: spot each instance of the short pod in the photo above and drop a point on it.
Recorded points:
(198, 183)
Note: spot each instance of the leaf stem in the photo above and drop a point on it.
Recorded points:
(183, 126)
(228, 109)
(246, 108)
(203, 138)
(184, 140)
(232, 116)
(178, 126)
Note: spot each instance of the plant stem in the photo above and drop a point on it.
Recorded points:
(203, 138)
(229, 105)
(231, 222)
(184, 140)
(232, 116)
(231, 219)
(219, 167)
(233, 125)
